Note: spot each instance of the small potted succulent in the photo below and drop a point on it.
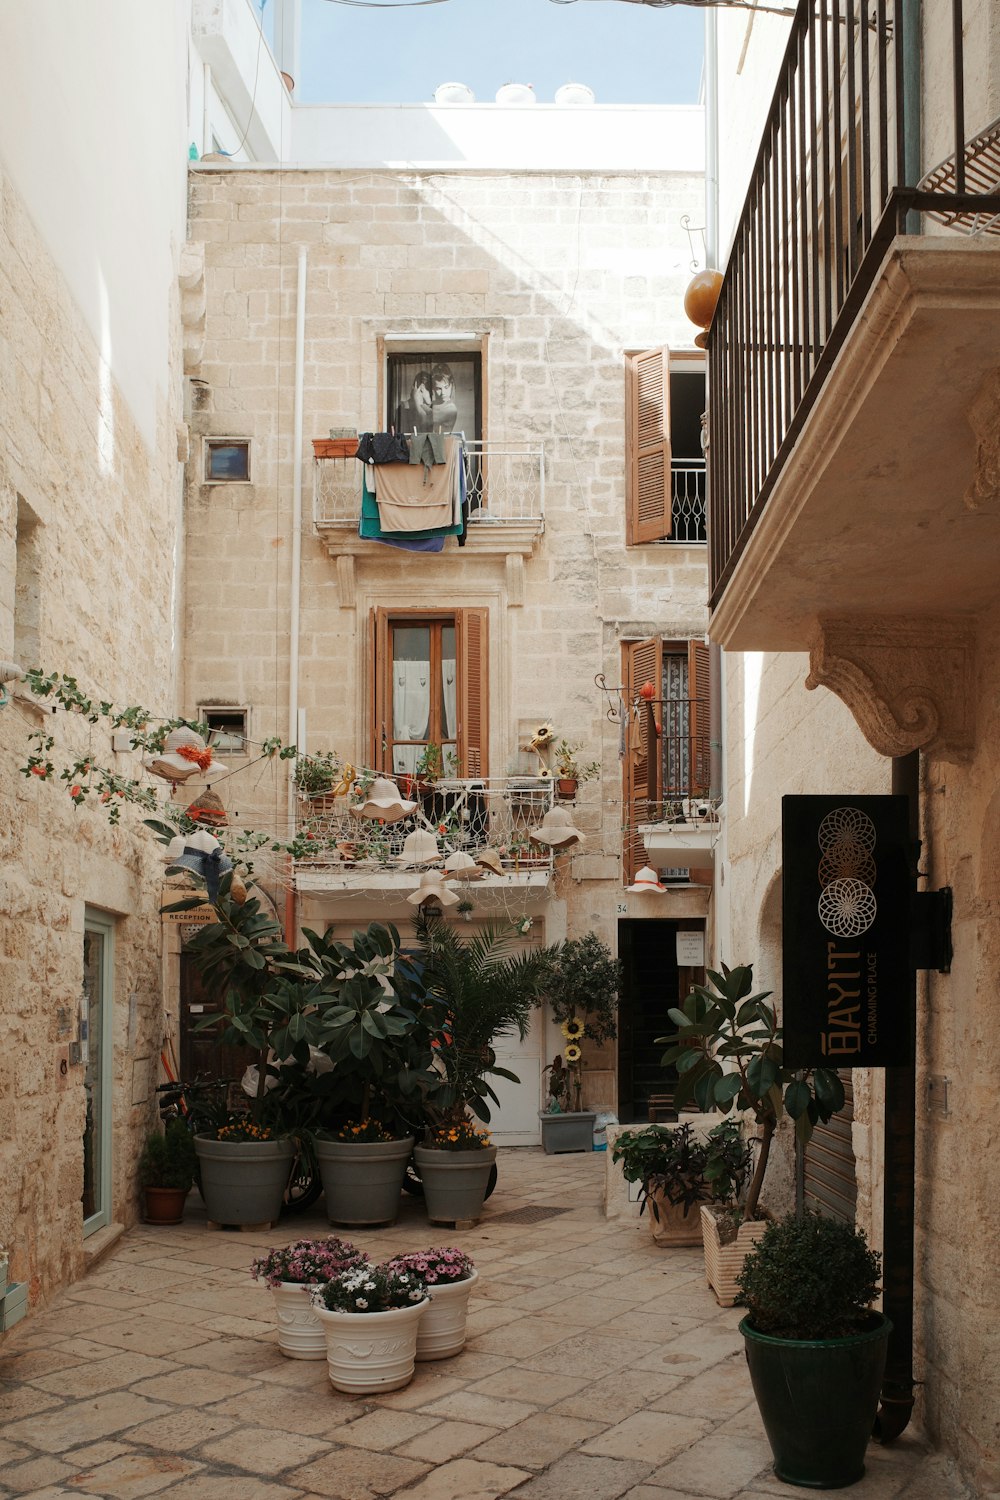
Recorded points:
(449, 1275)
(167, 1168)
(291, 1272)
(370, 1316)
(815, 1347)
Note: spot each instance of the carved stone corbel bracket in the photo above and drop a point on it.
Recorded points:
(908, 682)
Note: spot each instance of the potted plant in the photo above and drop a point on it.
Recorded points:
(449, 1276)
(581, 987)
(569, 771)
(677, 1170)
(291, 1272)
(316, 775)
(167, 1167)
(815, 1348)
(728, 1054)
(370, 1315)
(484, 989)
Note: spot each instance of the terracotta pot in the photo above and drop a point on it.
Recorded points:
(164, 1205)
(334, 447)
(566, 786)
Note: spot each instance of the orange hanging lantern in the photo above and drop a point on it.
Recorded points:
(701, 300)
(647, 691)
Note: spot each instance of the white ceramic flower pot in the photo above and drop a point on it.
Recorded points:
(442, 1328)
(300, 1332)
(368, 1352)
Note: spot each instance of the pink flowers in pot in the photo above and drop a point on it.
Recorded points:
(308, 1262)
(441, 1264)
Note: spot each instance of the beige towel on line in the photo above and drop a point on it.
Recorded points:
(407, 503)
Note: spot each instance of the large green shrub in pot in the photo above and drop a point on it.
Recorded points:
(728, 1053)
(810, 1277)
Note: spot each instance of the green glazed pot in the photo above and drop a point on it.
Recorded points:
(818, 1399)
(243, 1182)
(362, 1180)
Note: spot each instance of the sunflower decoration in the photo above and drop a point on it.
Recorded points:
(572, 1053)
(572, 1029)
(542, 737)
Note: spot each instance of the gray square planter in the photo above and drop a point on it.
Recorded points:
(573, 1131)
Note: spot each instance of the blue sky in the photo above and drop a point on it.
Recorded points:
(627, 53)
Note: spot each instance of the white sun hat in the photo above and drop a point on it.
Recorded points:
(432, 888)
(646, 879)
(556, 829)
(383, 801)
(419, 848)
(461, 866)
(184, 754)
(489, 859)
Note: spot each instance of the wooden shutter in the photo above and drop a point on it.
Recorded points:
(472, 641)
(381, 691)
(699, 719)
(643, 662)
(647, 447)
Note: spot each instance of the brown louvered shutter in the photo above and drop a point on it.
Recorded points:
(472, 633)
(699, 719)
(643, 662)
(647, 447)
(381, 690)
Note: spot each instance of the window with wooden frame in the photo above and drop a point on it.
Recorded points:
(664, 463)
(667, 736)
(431, 688)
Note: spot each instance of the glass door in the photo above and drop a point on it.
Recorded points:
(96, 1009)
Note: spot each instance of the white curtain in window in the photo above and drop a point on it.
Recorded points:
(411, 699)
(448, 699)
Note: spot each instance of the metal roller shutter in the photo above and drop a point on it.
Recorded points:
(830, 1180)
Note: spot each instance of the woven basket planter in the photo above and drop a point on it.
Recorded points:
(723, 1263)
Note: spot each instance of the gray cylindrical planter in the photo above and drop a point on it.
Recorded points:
(570, 1131)
(243, 1182)
(454, 1182)
(362, 1180)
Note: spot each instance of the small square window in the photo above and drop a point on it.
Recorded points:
(227, 729)
(227, 460)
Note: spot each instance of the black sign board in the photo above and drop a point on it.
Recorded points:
(847, 903)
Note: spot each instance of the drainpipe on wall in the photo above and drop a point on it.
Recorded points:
(896, 1406)
(912, 19)
(294, 609)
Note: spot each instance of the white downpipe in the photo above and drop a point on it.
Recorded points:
(206, 122)
(711, 139)
(296, 564)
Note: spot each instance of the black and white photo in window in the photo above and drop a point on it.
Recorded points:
(435, 392)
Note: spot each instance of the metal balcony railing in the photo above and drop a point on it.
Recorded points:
(837, 176)
(673, 784)
(688, 511)
(462, 814)
(505, 484)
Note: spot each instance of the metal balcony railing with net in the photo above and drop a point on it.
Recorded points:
(463, 815)
(505, 484)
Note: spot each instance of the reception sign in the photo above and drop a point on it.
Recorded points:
(847, 908)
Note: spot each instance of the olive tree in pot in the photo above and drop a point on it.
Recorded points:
(728, 1054)
(815, 1348)
(582, 989)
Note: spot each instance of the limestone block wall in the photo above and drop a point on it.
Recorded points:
(564, 272)
(87, 592)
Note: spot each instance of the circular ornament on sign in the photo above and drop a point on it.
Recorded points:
(846, 825)
(847, 860)
(847, 908)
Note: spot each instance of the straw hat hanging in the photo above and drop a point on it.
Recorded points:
(184, 754)
(646, 879)
(461, 866)
(489, 859)
(207, 809)
(383, 801)
(419, 848)
(203, 855)
(432, 889)
(556, 829)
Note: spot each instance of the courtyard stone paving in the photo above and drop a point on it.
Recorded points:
(597, 1367)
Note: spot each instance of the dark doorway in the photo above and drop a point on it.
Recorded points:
(203, 1054)
(648, 951)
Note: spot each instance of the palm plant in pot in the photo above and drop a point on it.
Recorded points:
(728, 1054)
(677, 1170)
(815, 1348)
(167, 1167)
(581, 987)
(485, 989)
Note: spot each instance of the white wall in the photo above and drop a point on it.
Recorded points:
(93, 136)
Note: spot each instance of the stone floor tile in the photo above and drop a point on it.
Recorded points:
(612, 1399)
(228, 1487)
(649, 1436)
(467, 1479)
(263, 1450)
(531, 1334)
(311, 1413)
(235, 1356)
(579, 1477)
(92, 1454)
(151, 1335)
(385, 1429)
(97, 1376)
(181, 1431)
(79, 1317)
(197, 1387)
(538, 1441)
(33, 1363)
(695, 1350)
(36, 1473)
(356, 1474)
(105, 1297)
(654, 1492)
(240, 1328)
(134, 1475)
(649, 1323)
(445, 1440)
(12, 1453)
(590, 1351)
(424, 1389)
(467, 1406)
(23, 1401)
(716, 1466)
(721, 1391)
(530, 1385)
(76, 1422)
(490, 1315)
